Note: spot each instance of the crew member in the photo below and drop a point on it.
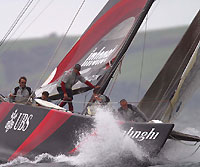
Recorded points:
(69, 79)
(45, 96)
(101, 99)
(21, 93)
(129, 112)
(98, 99)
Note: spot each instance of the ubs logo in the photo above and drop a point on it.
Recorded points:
(19, 121)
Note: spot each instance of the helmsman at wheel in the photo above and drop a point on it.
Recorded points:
(69, 79)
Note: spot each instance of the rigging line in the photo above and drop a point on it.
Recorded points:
(177, 140)
(180, 141)
(127, 41)
(84, 102)
(59, 44)
(142, 26)
(117, 63)
(195, 150)
(16, 21)
(19, 27)
(142, 62)
(188, 156)
(152, 10)
(45, 8)
(111, 85)
(115, 78)
(85, 98)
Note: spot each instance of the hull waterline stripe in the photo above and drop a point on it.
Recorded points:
(5, 108)
(53, 120)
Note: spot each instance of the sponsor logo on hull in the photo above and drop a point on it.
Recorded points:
(142, 135)
(19, 121)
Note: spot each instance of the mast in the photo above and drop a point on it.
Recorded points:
(104, 81)
(107, 77)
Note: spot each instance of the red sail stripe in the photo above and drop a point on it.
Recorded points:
(5, 107)
(53, 120)
(123, 9)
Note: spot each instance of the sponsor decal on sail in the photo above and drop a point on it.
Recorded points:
(142, 135)
(98, 57)
(19, 121)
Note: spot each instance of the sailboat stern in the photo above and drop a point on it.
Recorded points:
(150, 136)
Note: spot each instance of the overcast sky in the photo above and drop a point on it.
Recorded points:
(55, 16)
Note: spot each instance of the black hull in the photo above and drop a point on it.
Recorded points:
(30, 131)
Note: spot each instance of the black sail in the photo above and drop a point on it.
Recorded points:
(157, 100)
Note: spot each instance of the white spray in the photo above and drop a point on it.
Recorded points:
(107, 145)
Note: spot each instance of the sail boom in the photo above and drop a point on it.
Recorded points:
(175, 135)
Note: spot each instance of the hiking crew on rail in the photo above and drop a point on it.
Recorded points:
(130, 112)
(97, 100)
(21, 93)
(69, 79)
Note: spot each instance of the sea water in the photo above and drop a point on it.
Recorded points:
(107, 147)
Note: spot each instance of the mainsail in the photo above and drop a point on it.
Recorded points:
(100, 44)
(166, 96)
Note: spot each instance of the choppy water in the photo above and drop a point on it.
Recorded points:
(110, 149)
